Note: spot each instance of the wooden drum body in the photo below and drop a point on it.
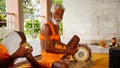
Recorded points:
(83, 54)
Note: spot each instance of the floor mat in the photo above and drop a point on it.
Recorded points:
(99, 60)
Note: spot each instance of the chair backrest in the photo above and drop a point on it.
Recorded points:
(12, 41)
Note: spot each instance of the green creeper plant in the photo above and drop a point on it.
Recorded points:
(32, 28)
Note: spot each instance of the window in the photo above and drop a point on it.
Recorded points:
(31, 18)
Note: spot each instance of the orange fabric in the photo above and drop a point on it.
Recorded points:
(3, 52)
(49, 58)
(53, 36)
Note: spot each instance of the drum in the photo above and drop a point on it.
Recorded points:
(83, 54)
(12, 41)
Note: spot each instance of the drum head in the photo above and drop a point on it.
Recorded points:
(82, 55)
(12, 41)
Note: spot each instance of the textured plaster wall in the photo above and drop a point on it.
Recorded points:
(91, 19)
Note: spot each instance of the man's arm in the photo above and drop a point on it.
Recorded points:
(29, 56)
(50, 44)
(21, 52)
(7, 62)
(32, 60)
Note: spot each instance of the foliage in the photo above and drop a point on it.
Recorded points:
(2, 5)
(2, 17)
(1, 40)
(30, 6)
(2, 20)
(57, 1)
(32, 28)
(61, 27)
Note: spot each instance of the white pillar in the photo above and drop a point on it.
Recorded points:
(16, 7)
(45, 9)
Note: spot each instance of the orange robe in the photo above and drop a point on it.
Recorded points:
(49, 58)
(3, 52)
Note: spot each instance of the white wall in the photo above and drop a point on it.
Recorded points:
(91, 19)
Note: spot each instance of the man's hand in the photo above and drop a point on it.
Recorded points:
(70, 51)
(23, 50)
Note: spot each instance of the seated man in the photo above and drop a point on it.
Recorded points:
(24, 50)
(54, 53)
